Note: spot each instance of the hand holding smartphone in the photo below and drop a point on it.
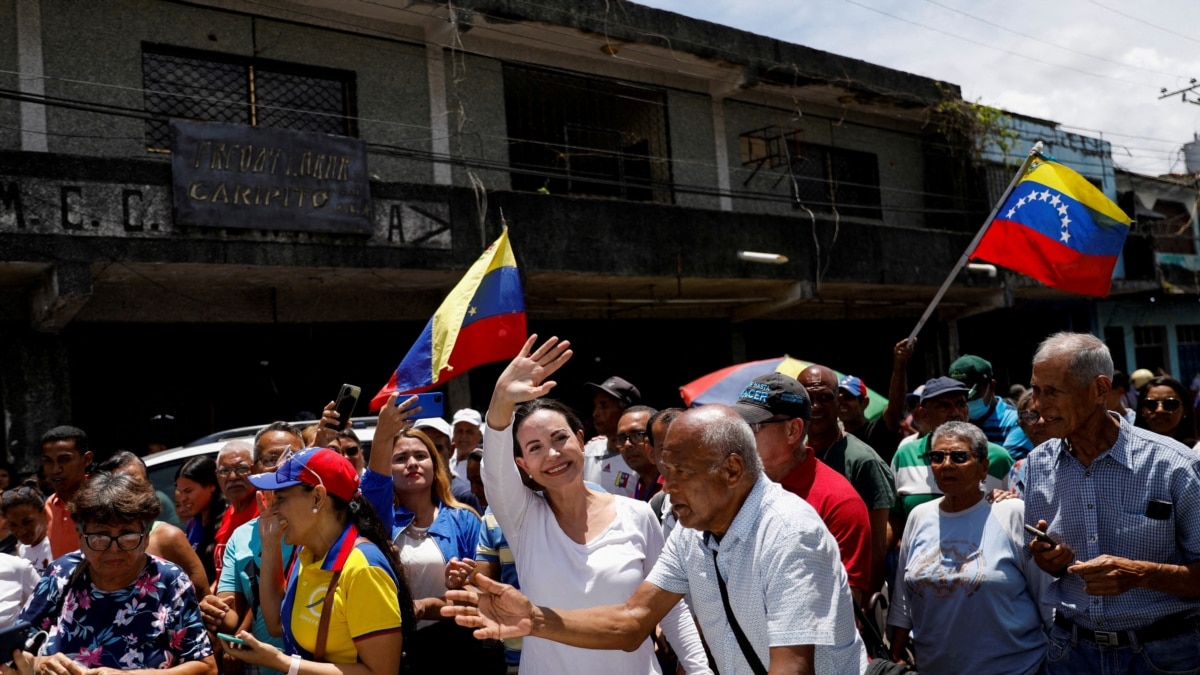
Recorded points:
(347, 399)
(432, 404)
(1038, 534)
(229, 638)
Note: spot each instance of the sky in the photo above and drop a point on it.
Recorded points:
(1096, 67)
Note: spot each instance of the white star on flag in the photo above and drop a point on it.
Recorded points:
(472, 311)
(1066, 236)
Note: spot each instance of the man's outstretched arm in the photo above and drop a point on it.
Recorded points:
(498, 610)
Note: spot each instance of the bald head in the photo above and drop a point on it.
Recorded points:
(712, 432)
(821, 383)
(709, 466)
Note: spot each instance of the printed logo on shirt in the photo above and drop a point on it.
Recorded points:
(956, 567)
(622, 479)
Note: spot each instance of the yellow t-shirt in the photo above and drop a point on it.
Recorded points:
(364, 602)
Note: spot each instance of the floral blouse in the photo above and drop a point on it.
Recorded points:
(153, 623)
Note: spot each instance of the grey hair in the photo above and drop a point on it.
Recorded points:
(728, 434)
(966, 432)
(1087, 356)
(235, 446)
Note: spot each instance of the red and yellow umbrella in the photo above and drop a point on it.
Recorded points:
(726, 384)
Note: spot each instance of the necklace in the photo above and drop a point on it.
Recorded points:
(418, 533)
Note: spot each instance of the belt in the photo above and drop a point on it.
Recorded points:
(1163, 629)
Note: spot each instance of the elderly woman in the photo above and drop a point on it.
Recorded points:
(574, 547)
(109, 605)
(341, 606)
(965, 589)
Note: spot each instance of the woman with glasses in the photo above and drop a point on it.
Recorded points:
(574, 547)
(24, 509)
(109, 604)
(200, 504)
(1163, 408)
(966, 593)
(344, 600)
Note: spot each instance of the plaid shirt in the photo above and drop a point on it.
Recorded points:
(1102, 509)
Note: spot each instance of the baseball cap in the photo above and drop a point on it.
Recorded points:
(943, 385)
(313, 466)
(973, 371)
(620, 389)
(853, 385)
(435, 423)
(773, 394)
(1140, 377)
(468, 415)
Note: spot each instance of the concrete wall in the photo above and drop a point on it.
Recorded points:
(693, 156)
(899, 156)
(475, 111)
(99, 47)
(10, 119)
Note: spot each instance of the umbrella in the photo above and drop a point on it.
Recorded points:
(726, 384)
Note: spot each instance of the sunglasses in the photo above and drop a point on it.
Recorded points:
(757, 427)
(1167, 404)
(631, 437)
(957, 456)
(1029, 416)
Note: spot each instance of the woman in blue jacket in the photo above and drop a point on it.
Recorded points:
(410, 488)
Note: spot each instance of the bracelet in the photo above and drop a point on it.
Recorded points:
(295, 667)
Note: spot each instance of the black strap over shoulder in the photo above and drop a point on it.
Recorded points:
(748, 652)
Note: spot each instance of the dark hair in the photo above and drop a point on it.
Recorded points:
(202, 469)
(1185, 432)
(23, 495)
(640, 408)
(666, 416)
(272, 427)
(120, 459)
(475, 455)
(1120, 380)
(360, 512)
(538, 404)
(112, 498)
(349, 433)
(68, 433)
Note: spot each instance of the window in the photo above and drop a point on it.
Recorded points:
(1114, 338)
(1187, 338)
(207, 86)
(823, 178)
(584, 136)
(1150, 347)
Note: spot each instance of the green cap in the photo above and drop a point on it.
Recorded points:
(973, 371)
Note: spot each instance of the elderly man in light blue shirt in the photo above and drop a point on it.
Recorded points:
(763, 572)
(1122, 509)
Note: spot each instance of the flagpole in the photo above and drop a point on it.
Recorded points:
(966, 256)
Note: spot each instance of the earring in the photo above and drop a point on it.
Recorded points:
(315, 509)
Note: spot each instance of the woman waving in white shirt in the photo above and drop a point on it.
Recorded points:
(574, 547)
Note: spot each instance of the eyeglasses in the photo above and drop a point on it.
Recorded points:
(1167, 404)
(758, 426)
(631, 437)
(16, 494)
(98, 541)
(351, 451)
(1029, 416)
(957, 456)
(241, 470)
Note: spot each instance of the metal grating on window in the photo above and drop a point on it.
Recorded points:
(220, 88)
(585, 136)
(194, 89)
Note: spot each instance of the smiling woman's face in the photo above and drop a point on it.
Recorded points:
(550, 453)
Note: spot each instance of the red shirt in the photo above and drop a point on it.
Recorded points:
(230, 521)
(844, 513)
(63, 537)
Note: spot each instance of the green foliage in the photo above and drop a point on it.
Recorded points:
(976, 127)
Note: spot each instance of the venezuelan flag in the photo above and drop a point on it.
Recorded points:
(482, 320)
(1058, 228)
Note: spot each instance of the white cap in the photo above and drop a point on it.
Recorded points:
(435, 423)
(469, 415)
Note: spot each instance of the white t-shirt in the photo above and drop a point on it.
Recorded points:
(38, 554)
(18, 579)
(557, 572)
(424, 565)
(608, 470)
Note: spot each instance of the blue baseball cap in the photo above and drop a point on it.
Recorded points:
(313, 466)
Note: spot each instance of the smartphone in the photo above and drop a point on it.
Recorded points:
(229, 638)
(347, 398)
(433, 404)
(16, 636)
(1038, 534)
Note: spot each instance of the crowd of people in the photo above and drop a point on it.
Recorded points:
(959, 531)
